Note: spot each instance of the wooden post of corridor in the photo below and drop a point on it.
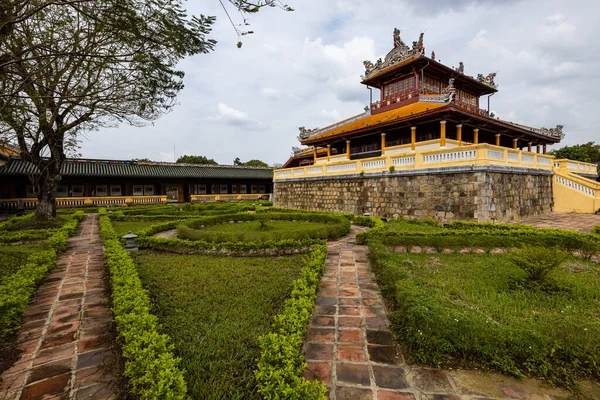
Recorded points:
(348, 149)
(476, 136)
(537, 148)
(515, 143)
(413, 138)
(328, 152)
(382, 143)
(442, 133)
(459, 134)
(529, 147)
(497, 139)
(315, 154)
(544, 148)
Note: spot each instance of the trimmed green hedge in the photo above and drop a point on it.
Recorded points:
(17, 289)
(236, 248)
(597, 229)
(335, 226)
(25, 235)
(487, 237)
(152, 370)
(281, 364)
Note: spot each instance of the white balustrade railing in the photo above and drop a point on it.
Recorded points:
(341, 167)
(574, 185)
(298, 171)
(373, 164)
(403, 160)
(315, 170)
(512, 156)
(283, 173)
(451, 156)
(526, 159)
(544, 161)
(496, 154)
(572, 165)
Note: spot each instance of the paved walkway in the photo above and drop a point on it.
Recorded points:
(66, 335)
(351, 349)
(572, 221)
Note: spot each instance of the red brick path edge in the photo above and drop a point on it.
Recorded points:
(65, 338)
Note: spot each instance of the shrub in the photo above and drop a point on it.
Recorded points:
(150, 366)
(597, 229)
(537, 262)
(16, 289)
(281, 364)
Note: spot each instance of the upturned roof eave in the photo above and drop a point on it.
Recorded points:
(448, 108)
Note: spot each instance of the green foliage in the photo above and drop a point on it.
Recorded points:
(597, 229)
(392, 169)
(461, 310)
(251, 163)
(17, 288)
(196, 160)
(215, 308)
(281, 364)
(587, 152)
(25, 235)
(150, 366)
(537, 262)
(371, 222)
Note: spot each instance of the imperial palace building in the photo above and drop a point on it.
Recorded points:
(427, 148)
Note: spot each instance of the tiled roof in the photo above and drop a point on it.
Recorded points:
(378, 119)
(101, 168)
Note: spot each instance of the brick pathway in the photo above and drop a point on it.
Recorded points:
(572, 221)
(349, 346)
(66, 335)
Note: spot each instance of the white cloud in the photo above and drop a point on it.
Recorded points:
(269, 93)
(229, 115)
(168, 156)
(330, 115)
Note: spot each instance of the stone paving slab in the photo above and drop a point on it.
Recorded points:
(571, 221)
(350, 348)
(65, 337)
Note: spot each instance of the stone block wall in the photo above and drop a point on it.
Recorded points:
(483, 196)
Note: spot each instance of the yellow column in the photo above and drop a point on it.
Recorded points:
(348, 149)
(537, 148)
(515, 143)
(442, 133)
(315, 154)
(383, 143)
(544, 148)
(529, 147)
(328, 152)
(413, 138)
(497, 139)
(459, 134)
(476, 136)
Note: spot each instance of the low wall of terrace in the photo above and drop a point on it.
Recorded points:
(477, 193)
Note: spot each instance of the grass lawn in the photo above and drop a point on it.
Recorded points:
(473, 310)
(12, 257)
(214, 308)
(122, 227)
(253, 232)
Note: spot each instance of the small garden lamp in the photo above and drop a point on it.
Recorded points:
(130, 244)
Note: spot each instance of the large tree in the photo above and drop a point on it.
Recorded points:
(69, 66)
(587, 152)
(196, 160)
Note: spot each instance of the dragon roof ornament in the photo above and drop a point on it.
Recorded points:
(399, 53)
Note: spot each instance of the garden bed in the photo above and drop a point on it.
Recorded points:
(481, 310)
(214, 309)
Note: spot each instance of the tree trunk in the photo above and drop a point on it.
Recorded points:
(46, 208)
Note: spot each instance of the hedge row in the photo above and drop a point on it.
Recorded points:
(25, 235)
(281, 363)
(457, 239)
(152, 370)
(17, 288)
(271, 247)
(597, 229)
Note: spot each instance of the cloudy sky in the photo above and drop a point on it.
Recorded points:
(303, 68)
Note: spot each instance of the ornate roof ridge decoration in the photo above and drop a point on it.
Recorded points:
(308, 133)
(488, 79)
(399, 53)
